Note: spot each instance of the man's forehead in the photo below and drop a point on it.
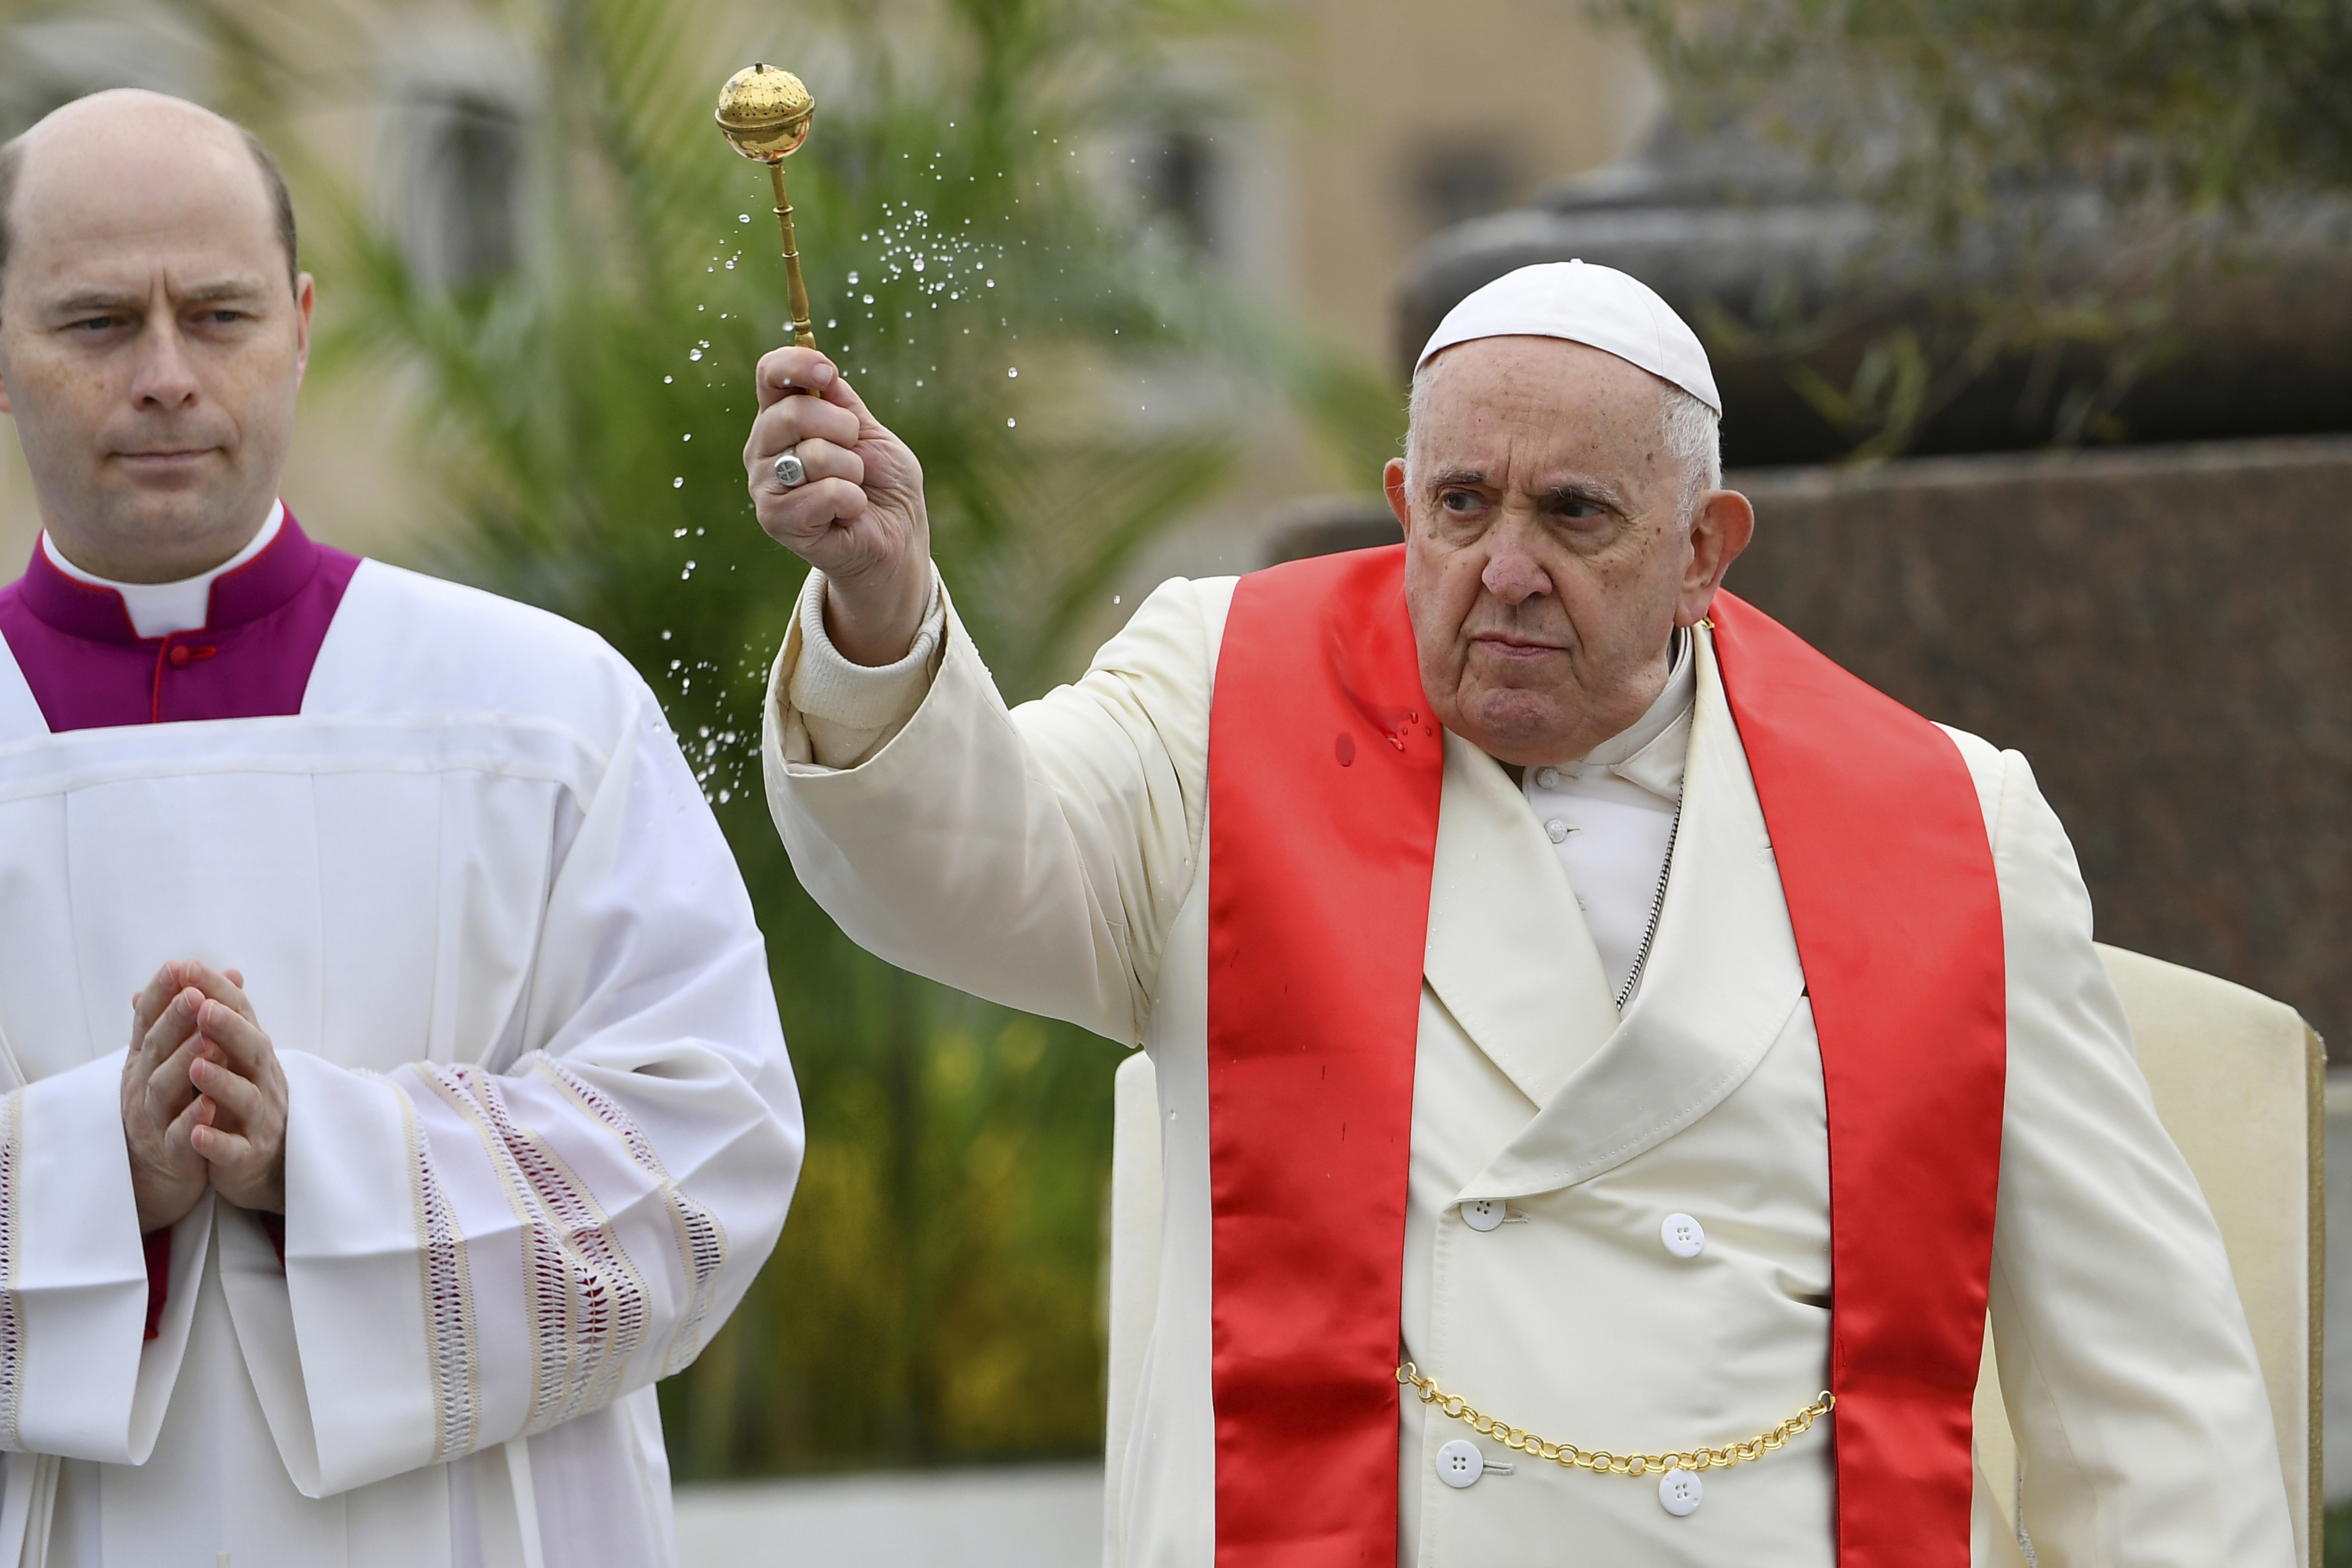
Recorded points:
(162, 178)
(1537, 416)
(1516, 369)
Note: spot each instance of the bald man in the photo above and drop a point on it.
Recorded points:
(454, 1109)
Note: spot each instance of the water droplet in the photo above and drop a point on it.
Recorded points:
(866, 299)
(992, 282)
(1115, 598)
(668, 379)
(722, 796)
(687, 436)
(678, 483)
(853, 280)
(742, 217)
(694, 353)
(675, 533)
(1013, 373)
(730, 267)
(665, 635)
(1008, 424)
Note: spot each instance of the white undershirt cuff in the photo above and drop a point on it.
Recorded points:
(850, 710)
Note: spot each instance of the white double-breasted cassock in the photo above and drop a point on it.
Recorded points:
(1052, 857)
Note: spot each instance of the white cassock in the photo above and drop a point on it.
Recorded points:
(541, 1130)
(1050, 859)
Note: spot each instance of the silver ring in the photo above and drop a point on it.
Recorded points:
(791, 471)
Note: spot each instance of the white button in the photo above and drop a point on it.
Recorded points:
(1460, 1464)
(1482, 1214)
(1685, 1237)
(1547, 778)
(1680, 1493)
(1557, 831)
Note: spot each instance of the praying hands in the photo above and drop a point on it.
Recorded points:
(204, 1099)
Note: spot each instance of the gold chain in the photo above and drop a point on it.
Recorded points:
(1600, 1461)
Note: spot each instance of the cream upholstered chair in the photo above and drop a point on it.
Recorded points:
(2238, 1080)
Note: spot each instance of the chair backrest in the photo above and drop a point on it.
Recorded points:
(2239, 1080)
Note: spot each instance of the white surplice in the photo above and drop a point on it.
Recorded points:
(1052, 857)
(542, 1130)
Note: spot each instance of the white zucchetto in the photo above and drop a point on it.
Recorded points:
(1597, 306)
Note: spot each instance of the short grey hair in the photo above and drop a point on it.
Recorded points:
(1694, 435)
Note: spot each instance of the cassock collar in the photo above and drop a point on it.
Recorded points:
(240, 595)
(1649, 754)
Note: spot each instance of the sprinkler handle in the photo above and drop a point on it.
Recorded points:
(803, 335)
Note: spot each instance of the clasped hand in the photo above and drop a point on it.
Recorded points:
(203, 1100)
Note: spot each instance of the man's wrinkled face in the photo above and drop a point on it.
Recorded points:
(150, 342)
(1552, 543)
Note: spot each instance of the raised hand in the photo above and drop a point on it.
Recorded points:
(858, 515)
(159, 1105)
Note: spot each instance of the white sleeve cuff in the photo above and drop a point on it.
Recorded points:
(850, 708)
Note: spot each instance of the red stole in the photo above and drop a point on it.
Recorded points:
(1325, 769)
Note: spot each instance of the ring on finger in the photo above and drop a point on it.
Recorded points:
(791, 471)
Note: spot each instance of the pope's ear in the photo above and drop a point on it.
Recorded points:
(1393, 485)
(1725, 522)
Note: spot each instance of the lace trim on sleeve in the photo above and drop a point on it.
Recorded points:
(448, 1303)
(587, 1300)
(11, 1322)
(701, 1239)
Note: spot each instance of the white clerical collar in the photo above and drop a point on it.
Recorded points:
(1648, 754)
(1669, 705)
(160, 609)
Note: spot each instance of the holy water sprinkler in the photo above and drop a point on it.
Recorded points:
(764, 115)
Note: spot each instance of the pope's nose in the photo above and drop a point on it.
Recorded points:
(1513, 576)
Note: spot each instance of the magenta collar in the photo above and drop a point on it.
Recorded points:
(257, 588)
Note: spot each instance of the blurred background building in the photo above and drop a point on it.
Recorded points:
(2042, 401)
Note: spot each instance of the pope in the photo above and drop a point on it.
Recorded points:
(454, 1110)
(1573, 1001)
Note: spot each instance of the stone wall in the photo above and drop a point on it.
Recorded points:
(2160, 630)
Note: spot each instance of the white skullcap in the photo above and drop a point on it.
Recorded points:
(1597, 306)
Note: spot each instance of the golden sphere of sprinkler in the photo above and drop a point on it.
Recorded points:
(764, 112)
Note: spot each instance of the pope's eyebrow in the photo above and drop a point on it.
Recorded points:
(1453, 478)
(1593, 492)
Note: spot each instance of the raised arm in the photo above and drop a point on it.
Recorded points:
(1035, 856)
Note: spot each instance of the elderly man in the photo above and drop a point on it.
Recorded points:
(1569, 994)
(369, 1250)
